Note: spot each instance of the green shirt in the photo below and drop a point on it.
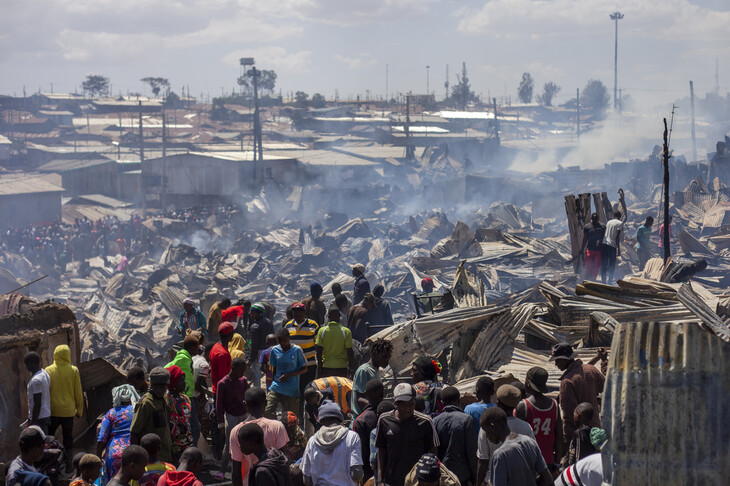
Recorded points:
(335, 340)
(151, 417)
(185, 363)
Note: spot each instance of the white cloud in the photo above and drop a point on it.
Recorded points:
(356, 62)
(539, 19)
(276, 58)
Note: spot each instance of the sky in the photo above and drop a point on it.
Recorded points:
(343, 46)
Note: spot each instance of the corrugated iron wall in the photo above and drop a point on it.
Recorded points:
(666, 406)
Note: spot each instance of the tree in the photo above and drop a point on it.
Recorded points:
(524, 91)
(301, 99)
(156, 85)
(95, 84)
(317, 101)
(266, 82)
(548, 93)
(595, 96)
(461, 94)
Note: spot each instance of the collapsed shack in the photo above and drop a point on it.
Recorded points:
(25, 326)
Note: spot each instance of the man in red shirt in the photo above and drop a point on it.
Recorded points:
(232, 313)
(220, 366)
(542, 413)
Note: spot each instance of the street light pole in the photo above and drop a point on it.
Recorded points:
(616, 16)
(427, 82)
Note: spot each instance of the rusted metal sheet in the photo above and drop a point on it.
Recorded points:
(665, 406)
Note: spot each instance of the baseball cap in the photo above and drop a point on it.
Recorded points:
(509, 395)
(537, 377)
(298, 306)
(359, 267)
(31, 436)
(563, 351)
(159, 376)
(428, 468)
(404, 393)
(225, 328)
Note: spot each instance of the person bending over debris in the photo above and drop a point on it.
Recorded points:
(191, 319)
(593, 234)
(579, 383)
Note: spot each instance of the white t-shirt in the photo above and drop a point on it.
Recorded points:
(486, 448)
(333, 468)
(200, 368)
(587, 472)
(40, 383)
(612, 228)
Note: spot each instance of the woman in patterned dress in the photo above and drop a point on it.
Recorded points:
(115, 430)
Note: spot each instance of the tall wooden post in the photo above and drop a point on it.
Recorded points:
(665, 235)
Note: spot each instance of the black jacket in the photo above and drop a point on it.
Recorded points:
(457, 443)
(271, 471)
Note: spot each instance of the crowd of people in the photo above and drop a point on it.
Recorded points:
(310, 404)
(59, 243)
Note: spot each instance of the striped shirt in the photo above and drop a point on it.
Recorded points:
(303, 335)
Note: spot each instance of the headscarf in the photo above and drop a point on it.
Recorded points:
(290, 421)
(429, 367)
(176, 374)
(235, 347)
(598, 437)
(124, 394)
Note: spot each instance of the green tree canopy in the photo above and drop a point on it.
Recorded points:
(317, 101)
(549, 90)
(95, 85)
(527, 85)
(595, 96)
(157, 84)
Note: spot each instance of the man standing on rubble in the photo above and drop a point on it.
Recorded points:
(316, 309)
(579, 383)
(215, 317)
(191, 318)
(346, 303)
(643, 238)
(357, 318)
(362, 286)
(259, 328)
(380, 314)
(303, 333)
(611, 247)
(593, 234)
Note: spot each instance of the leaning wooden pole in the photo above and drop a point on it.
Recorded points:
(665, 235)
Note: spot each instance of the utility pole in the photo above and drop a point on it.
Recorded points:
(665, 162)
(163, 193)
(410, 149)
(577, 113)
(717, 77)
(428, 87)
(496, 120)
(446, 83)
(616, 16)
(692, 110)
(386, 83)
(141, 161)
(257, 143)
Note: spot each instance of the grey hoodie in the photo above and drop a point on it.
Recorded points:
(328, 438)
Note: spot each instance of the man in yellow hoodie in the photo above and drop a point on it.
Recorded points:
(67, 399)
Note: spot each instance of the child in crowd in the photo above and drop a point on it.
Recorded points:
(580, 444)
(134, 461)
(89, 470)
(154, 467)
(264, 360)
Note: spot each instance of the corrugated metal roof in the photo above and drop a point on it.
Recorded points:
(27, 185)
(98, 372)
(466, 115)
(63, 165)
(665, 406)
(4, 140)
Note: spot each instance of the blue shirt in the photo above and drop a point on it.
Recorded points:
(475, 410)
(643, 234)
(286, 362)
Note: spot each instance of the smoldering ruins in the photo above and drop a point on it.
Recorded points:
(117, 209)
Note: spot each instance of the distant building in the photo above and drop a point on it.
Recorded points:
(84, 176)
(27, 199)
(5, 145)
